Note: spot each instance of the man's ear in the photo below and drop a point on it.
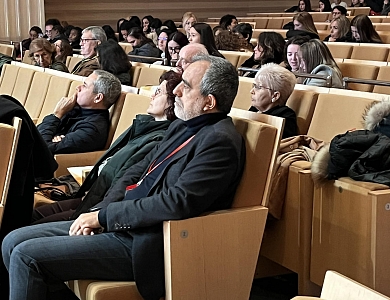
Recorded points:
(211, 103)
(98, 98)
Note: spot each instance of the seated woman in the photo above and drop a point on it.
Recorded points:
(272, 87)
(324, 6)
(339, 30)
(270, 48)
(128, 149)
(74, 37)
(291, 52)
(112, 58)
(176, 41)
(162, 40)
(43, 53)
(110, 33)
(34, 33)
(303, 25)
(228, 22)
(316, 58)
(202, 33)
(339, 3)
(142, 46)
(187, 21)
(63, 50)
(363, 31)
(303, 5)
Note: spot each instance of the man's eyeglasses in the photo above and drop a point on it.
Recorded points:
(174, 49)
(85, 40)
(259, 87)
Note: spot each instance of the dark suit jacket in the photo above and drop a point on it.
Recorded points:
(203, 176)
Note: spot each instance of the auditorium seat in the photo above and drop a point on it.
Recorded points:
(383, 74)
(354, 70)
(370, 53)
(340, 50)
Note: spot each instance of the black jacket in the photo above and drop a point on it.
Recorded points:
(362, 155)
(85, 130)
(33, 160)
(129, 148)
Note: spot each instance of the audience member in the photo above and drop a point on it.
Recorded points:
(363, 31)
(228, 22)
(49, 26)
(357, 3)
(229, 41)
(118, 29)
(91, 37)
(339, 3)
(339, 30)
(112, 58)
(146, 24)
(303, 25)
(130, 147)
(272, 87)
(110, 33)
(34, 33)
(156, 24)
(80, 123)
(386, 8)
(270, 48)
(170, 25)
(162, 39)
(324, 6)
(136, 21)
(125, 27)
(291, 52)
(44, 53)
(201, 33)
(338, 11)
(244, 31)
(315, 58)
(67, 30)
(57, 33)
(142, 46)
(180, 187)
(186, 55)
(217, 30)
(176, 42)
(187, 21)
(74, 37)
(303, 5)
(63, 50)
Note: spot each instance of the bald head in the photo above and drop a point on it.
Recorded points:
(187, 53)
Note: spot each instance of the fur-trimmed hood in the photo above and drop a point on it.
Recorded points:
(377, 117)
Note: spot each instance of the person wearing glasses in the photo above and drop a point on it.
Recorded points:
(142, 46)
(90, 38)
(43, 53)
(176, 42)
(272, 87)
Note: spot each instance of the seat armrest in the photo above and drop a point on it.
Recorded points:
(75, 160)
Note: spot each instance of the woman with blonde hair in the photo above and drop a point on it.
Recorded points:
(339, 30)
(315, 58)
(187, 21)
(43, 53)
(303, 25)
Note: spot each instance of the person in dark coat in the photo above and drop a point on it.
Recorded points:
(272, 87)
(80, 123)
(33, 160)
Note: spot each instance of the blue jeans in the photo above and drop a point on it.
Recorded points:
(40, 258)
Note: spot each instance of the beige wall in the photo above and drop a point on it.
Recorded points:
(100, 12)
(18, 16)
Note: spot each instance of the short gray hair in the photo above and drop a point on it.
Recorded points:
(278, 79)
(108, 85)
(97, 33)
(220, 80)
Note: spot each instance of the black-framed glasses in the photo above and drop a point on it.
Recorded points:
(259, 87)
(174, 49)
(85, 40)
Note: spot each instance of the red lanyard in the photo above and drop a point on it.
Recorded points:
(152, 168)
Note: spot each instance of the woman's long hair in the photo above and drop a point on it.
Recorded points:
(207, 38)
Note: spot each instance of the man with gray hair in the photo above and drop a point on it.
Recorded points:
(196, 168)
(80, 123)
(90, 38)
(187, 53)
